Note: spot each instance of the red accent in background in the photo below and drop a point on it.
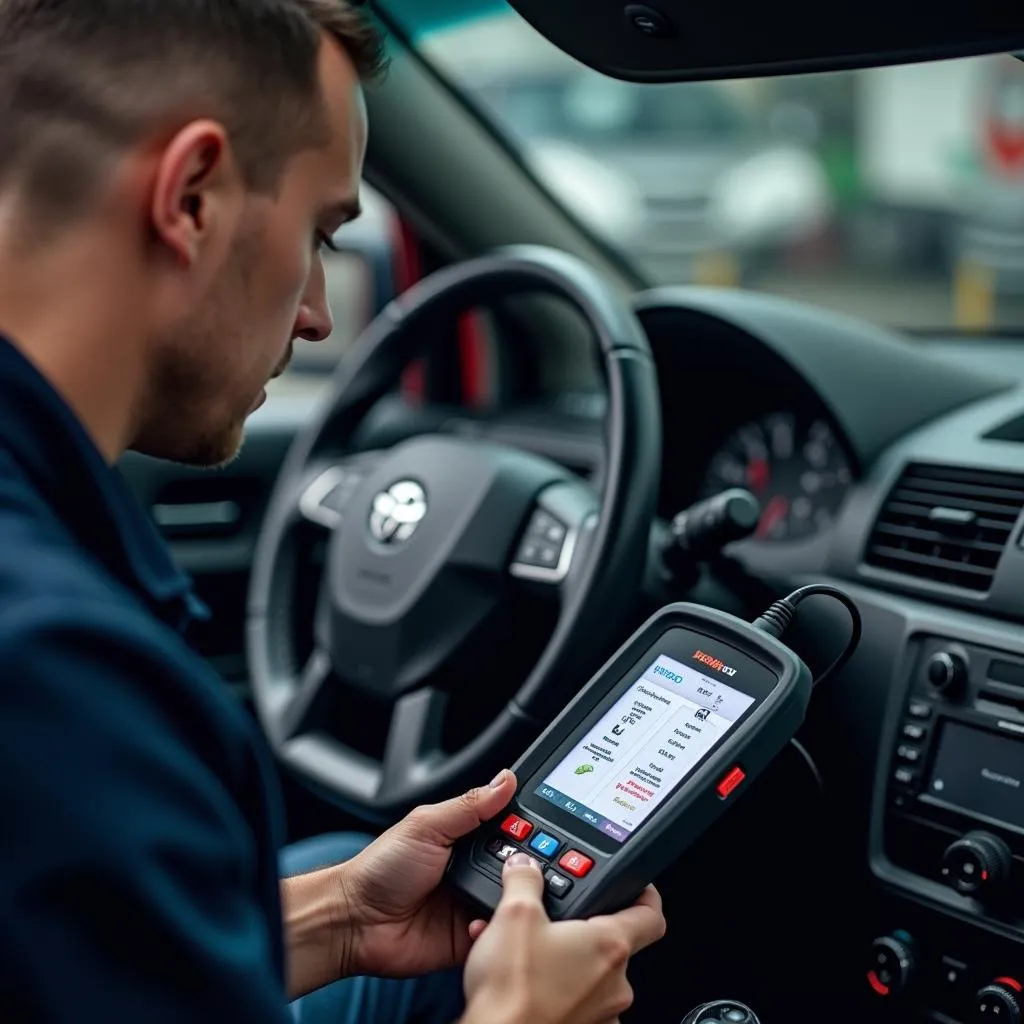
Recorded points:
(1006, 147)
(472, 358)
(758, 475)
(776, 509)
(876, 984)
(408, 270)
(471, 335)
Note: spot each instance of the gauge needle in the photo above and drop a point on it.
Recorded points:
(758, 475)
(775, 511)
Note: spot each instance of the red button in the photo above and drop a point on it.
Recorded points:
(731, 780)
(518, 828)
(576, 863)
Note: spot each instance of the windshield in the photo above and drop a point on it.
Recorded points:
(894, 194)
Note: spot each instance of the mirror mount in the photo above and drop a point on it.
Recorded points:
(677, 40)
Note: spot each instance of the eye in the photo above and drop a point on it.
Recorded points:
(322, 241)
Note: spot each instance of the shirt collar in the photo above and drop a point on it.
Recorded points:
(46, 439)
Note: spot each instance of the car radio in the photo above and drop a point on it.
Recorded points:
(954, 798)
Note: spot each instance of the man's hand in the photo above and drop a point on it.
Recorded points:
(399, 921)
(526, 969)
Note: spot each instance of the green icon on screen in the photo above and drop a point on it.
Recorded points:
(584, 768)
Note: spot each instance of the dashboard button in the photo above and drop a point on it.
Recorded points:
(999, 1001)
(919, 709)
(518, 828)
(913, 731)
(953, 979)
(575, 863)
(947, 673)
(904, 776)
(978, 864)
(891, 965)
(909, 753)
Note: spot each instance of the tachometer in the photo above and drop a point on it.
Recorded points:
(796, 467)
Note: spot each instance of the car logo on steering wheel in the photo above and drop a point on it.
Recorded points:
(397, 512)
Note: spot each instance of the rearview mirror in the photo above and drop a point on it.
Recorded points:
(678, 40)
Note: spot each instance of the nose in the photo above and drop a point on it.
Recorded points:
(314, 321)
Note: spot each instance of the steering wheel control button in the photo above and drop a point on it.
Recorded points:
(546, 529)
(651, 22)
(326, 498)
(518, 828)
(947, 673)
(919, 709)
(891, 965)
(998, 1003)
(558, 885)
(977, 864)
(575, 863)
(547, 846)
(543, 542)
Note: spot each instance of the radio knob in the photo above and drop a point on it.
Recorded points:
(892, 963)
(947, 673)
(999, 1001)
(977, 864)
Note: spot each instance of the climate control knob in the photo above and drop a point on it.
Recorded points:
(891, 966)
(947, 673)
(999, 1002)
(977, 864)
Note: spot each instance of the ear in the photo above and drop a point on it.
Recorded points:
(196, 177)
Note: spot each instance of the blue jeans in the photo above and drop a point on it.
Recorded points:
(432, 999)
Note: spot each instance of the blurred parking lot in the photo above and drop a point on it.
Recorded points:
(891, 194)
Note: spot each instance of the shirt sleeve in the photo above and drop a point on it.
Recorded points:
(130, 885)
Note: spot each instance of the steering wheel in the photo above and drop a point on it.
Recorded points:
(431, 539)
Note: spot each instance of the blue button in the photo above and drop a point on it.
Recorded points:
(544, 844)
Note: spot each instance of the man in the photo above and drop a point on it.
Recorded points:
(168, 172)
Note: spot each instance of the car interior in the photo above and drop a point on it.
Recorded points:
(555, 405)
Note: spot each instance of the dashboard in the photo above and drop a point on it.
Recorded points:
(890, 467)
(895, 470)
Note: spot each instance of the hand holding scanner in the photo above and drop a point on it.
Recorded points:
(650, 752)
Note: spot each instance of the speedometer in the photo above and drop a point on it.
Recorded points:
(795, 466)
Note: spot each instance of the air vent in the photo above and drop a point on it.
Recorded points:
(947, 524)
(205, 506)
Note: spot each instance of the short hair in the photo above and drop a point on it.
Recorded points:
(83, 80)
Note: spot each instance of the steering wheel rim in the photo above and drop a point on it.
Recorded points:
(607, 550)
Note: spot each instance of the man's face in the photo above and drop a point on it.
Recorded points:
(212, 365)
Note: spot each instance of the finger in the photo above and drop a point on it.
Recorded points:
(521, 880)
(457, 817)
(476, 929)
(643, 924)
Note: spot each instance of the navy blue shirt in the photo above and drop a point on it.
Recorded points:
(138, 804)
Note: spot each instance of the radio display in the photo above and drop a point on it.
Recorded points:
(979, 772)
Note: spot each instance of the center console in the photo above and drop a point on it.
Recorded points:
(948, 837)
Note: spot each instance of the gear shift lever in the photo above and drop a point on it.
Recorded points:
(721, 1011)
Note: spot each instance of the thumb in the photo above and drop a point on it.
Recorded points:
(521, 880)
(457, 817)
